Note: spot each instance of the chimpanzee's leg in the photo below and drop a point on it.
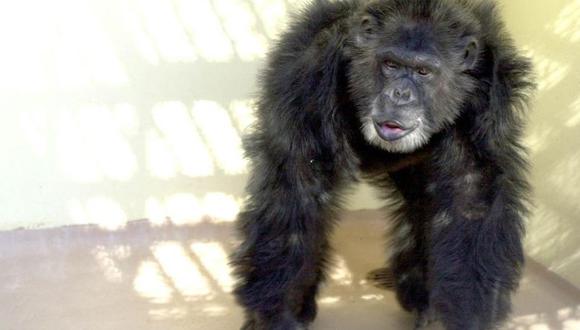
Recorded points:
(475, 248)
(408, 245)
(284, 229)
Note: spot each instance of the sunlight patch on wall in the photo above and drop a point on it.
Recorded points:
(90, 144)
(214, 259)
(221, 207)
(561, 266)
(34, 127)
(219, 133)
(179, 209)
(575, 114)
(567, 24)
(73, 158)
(155, 212)
(26, 37)
(151, 284)
(185, 208)
(537, 139)
(539, 242)
(180, 146)
(83, 51)
(102, 135)
(182, 271)
(273, 15)
(72, 71)
(126, 118)
(76, 211)
(565, 176)
(106, 213)
(162, 23)
(243, 113)
(101, 211)
(160, 161)
(134, 26)
(241, 25)
(549, 72)
(210, 41)
(59, 44)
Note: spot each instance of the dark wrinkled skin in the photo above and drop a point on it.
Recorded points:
(458, 196)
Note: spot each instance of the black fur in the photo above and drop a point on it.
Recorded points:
(459, 198)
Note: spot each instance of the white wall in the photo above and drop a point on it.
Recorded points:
(113, 110)
(550, 31)
(119, 110)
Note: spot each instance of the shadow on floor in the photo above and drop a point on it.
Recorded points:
(176, 277)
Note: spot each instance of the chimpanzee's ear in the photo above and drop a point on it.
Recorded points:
(470, 53)
(366, 26)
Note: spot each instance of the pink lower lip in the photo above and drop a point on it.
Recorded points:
(393, 129)
(390, 131)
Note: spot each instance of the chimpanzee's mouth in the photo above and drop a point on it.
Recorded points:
(391, 130)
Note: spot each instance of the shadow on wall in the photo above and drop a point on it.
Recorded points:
(120, 110)
(551, 34)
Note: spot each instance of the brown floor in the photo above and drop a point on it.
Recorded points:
(169, 277)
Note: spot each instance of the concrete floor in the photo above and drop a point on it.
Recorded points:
(176, 277)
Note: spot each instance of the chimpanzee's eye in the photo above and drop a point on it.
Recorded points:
(391, 65)
(423, 71)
